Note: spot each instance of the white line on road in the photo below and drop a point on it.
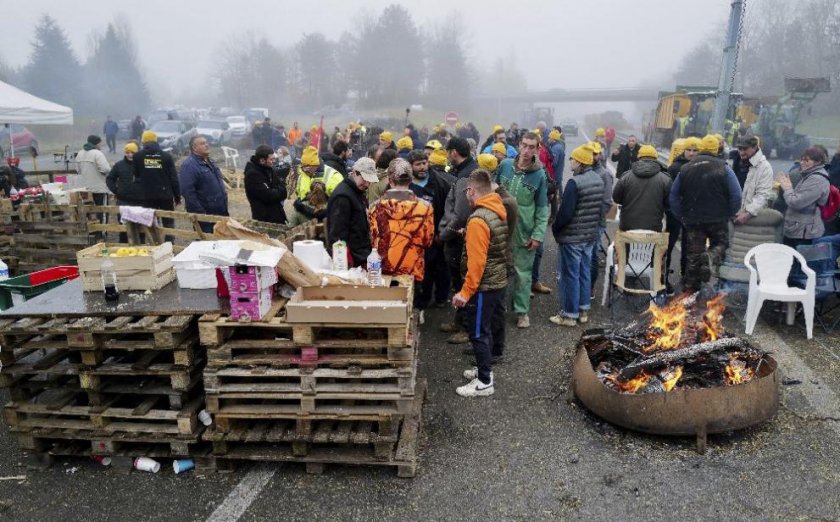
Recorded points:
(243, 495)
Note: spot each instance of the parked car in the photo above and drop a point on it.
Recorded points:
(255, 114)
(217, 132)
(570, 127)
(22, 138)
(174, 135)
(239, 126)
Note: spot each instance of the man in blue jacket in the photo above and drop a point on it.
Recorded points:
(110, 129)
(202, 186)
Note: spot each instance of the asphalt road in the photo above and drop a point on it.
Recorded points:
(525, 453)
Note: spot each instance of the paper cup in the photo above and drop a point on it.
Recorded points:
(146, 464)
(205, 417)
(182, 465)
(102, 459)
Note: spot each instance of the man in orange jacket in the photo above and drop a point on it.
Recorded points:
(484, 265)
(402, 226)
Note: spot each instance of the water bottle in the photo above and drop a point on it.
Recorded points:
(374, 268)
(109, 281)
(4, 271)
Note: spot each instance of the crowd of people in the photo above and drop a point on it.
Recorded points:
(469, 222)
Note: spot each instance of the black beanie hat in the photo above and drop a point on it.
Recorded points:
(93, 139)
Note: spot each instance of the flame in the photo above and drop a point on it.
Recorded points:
(666, 325)
(669, 379)
(713, 318)
(737, 371)
(633, 385)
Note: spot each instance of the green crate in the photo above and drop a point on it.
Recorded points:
(30, 285)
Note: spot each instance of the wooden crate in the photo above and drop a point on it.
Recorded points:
(150, 272)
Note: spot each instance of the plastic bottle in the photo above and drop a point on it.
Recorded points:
(374, 268)
(109, 281)
(339, 256)
(4, 271)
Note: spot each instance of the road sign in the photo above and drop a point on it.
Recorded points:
(451, 118)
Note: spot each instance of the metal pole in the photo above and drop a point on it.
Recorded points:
(728, 67)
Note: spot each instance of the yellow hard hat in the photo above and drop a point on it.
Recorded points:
(691, 143)
(499, 147)
(405, 143)
(386, 137)
(497, 128)
(310, 158)
(131, 147)
(600, 132)
(148, 136)
(583, 155)
(434, 145)
(595, 146)
(487, 162)
(648, 151)
(438, 158)
(554, 135)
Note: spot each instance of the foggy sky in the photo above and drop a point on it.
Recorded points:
(558, 43)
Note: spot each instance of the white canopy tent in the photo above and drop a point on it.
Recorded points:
(17, 106)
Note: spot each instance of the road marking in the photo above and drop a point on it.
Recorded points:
(243, 495)
(824, 402)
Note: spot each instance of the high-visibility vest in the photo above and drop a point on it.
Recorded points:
(304, 184)
(331, 179)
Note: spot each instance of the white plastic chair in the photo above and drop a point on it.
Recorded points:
(768, 280)
(232, 161)
(645, 251)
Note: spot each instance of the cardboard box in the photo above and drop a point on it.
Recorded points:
(250, 279)
(250, 306)
(349, 304)
(150, 272)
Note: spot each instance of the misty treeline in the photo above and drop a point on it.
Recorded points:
(780, 38)
(387, 61)
(108, 81)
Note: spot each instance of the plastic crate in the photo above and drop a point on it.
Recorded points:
(22, 288)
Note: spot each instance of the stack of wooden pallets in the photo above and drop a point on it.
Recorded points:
(116, 386)
(318, 393)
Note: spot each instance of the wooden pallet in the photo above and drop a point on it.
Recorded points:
(58, 441)
(403, 456)
(308, 380)
(71, 409)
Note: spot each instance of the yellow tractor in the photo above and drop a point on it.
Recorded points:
(688, 111)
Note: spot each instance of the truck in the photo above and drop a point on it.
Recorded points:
(686, 111)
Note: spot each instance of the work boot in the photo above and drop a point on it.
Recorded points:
(459, 337)
(539, 288)
(584, 317)
(450, 327)
(523, 321)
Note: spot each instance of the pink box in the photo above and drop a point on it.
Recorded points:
(60, 179)
(251, 279)
(250, 306)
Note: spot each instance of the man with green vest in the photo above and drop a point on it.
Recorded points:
(484, 268)
(308, 174)
(524, 179)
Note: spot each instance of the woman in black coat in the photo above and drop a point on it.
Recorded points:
(264, 189)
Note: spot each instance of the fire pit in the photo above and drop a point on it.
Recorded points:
(676, 373)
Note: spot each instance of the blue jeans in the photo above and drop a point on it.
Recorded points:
(574, 263)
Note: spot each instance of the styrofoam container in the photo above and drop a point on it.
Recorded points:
(192, 273)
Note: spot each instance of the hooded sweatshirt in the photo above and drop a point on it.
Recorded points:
(529, 188)
(402, 227)
(486, 246)
(643, 196)
(92, 167)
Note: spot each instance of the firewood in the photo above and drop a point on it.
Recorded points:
(671, 357)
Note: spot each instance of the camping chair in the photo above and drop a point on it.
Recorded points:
(232, 161)
(769, 280)
(635, 255)
(821, 257)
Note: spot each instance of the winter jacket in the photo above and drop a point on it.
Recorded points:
(434, 193)
(110, 128)
(154, 171)
(625, 156)
(203, 187)
(757, 191)
(706, 191)
(457, 209)
(547, 161)
(347, 220)
(265, 192)
(333, 161)
(803, 219)
(529, 188)
(643, 196)
(677, 165)
(512, 213)
(122, 183)
(92, 168)
(375, 190)
(739, 167)
(834, 170)
(402, 227)
(580, 210)
(558, 157)
(484, 260)
(608, 180)
(511, 150)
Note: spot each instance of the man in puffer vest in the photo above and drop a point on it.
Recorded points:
(576, 230)
(484, 267)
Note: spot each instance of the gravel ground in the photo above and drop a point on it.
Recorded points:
(525, 453)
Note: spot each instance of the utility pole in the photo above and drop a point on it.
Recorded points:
(730, 62)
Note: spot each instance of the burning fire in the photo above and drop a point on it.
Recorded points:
(633, 385)
(713, 318)
(666, 325)
(737, 371)
(669, 379)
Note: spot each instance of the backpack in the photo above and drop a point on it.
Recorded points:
(832, 206)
